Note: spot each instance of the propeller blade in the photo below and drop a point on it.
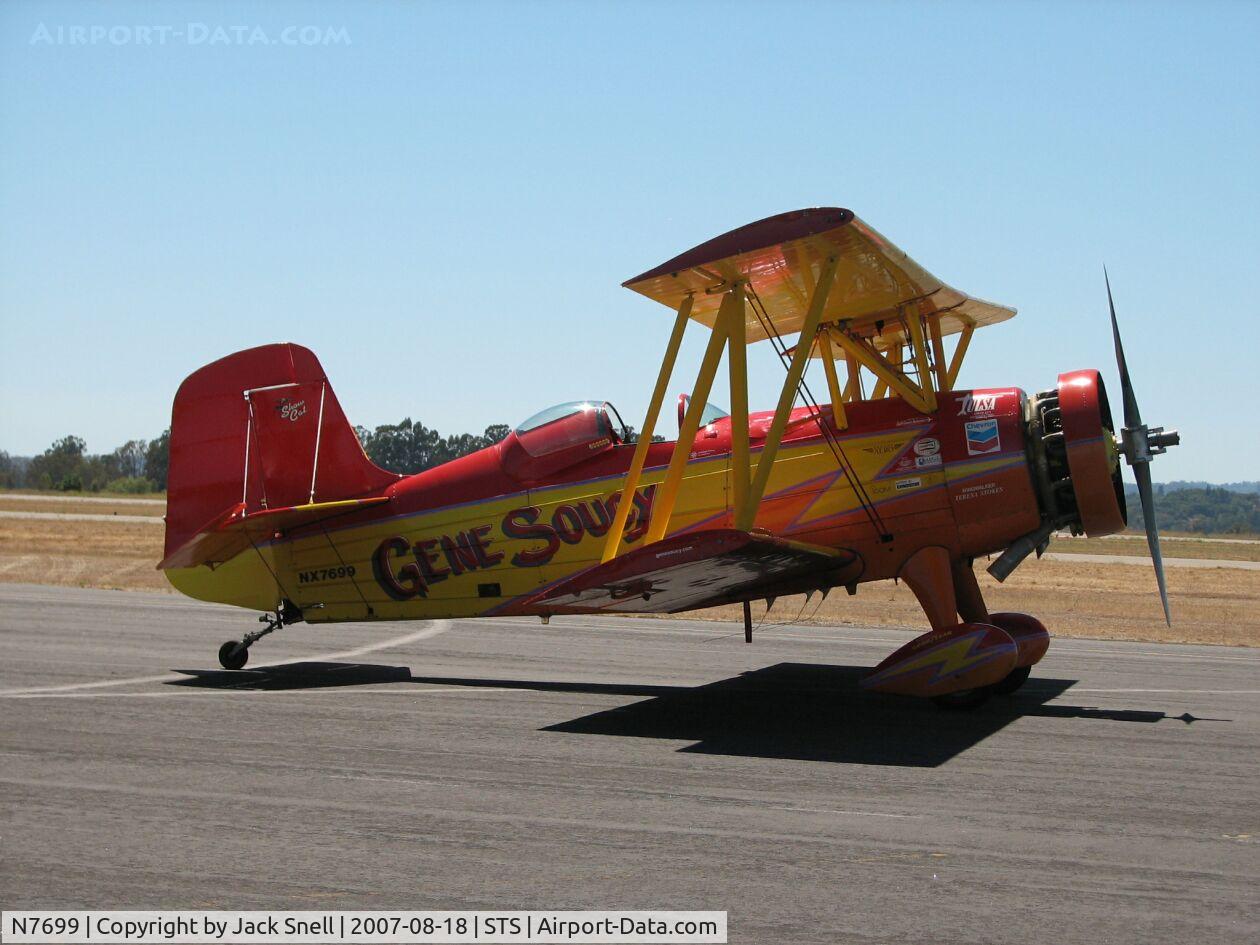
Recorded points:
(1132, 417)
(1142, 472)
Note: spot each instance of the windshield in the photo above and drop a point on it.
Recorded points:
(558, 412)
(712, 412)
(618, 425)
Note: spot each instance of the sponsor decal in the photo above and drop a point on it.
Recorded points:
(903, 484)
(407, 568)
(291, 410)
(908, 454)
(982, 437)
(675, 551)
(977, 404)
(927, 462)
(981, 491)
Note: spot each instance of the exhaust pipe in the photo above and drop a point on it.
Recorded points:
(1021, 548)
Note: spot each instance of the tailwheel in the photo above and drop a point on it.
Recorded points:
(1014, 679)
(963, 699)
(233, 654)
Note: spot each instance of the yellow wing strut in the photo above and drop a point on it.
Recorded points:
(731, 317)
(833, 382)
(687, 434)
(787, 396)
(960, 352)
(618, 527)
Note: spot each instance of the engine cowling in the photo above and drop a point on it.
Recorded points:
(1076, 461)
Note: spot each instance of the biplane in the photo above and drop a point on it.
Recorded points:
(274, 506)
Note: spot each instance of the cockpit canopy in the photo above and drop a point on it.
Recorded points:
(560, 436)
(600, 412)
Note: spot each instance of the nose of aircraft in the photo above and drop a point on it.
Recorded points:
(1075, 454)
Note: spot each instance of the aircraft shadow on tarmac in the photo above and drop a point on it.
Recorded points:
(800, 711)
(811, 712)
(294, 676)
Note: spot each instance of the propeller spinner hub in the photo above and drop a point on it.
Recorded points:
(1142, 443)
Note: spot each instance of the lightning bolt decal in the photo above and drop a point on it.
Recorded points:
(954, 663)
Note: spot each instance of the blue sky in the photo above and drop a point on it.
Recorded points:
(444, 206)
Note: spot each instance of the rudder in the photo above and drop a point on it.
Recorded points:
(262, 428)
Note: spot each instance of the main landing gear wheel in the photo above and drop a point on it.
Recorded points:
(1014, 679)
(963, 699)
(233, 655)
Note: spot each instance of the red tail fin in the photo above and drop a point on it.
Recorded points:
(260, 427)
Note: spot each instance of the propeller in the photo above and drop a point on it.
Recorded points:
(1139, 444)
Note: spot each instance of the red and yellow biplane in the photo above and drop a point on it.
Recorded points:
(274, 506)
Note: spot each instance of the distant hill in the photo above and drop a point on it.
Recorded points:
(1179, 484)
(1210, 510)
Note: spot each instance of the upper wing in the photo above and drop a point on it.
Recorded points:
(700, 569)
(227, 535)
(780, 258)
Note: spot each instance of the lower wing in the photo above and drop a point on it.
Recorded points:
(699, 569)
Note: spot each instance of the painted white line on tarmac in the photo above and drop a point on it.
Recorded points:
(107, 500)
(1090, 652)
(83, 517)
(1205, 563)
(851, 813)
(1168, 538)
(235, 691)
(798, 810)
(435, 628)
(1186, 692)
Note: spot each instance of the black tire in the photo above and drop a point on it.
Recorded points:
(1014, 679)
(963, 699)
(232, 655)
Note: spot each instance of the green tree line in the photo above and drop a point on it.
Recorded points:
(409, 447)
(136, 466)
(141, 465)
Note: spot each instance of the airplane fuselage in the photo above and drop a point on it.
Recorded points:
(474, 538)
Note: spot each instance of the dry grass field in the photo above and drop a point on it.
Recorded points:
(1209, 605)
(115, 555)
(1100, 601)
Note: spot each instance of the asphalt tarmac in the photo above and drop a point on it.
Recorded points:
(621, 764)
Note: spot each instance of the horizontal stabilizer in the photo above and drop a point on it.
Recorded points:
(227, 535)
(700, 569)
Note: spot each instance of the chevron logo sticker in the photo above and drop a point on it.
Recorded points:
(982, 437)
